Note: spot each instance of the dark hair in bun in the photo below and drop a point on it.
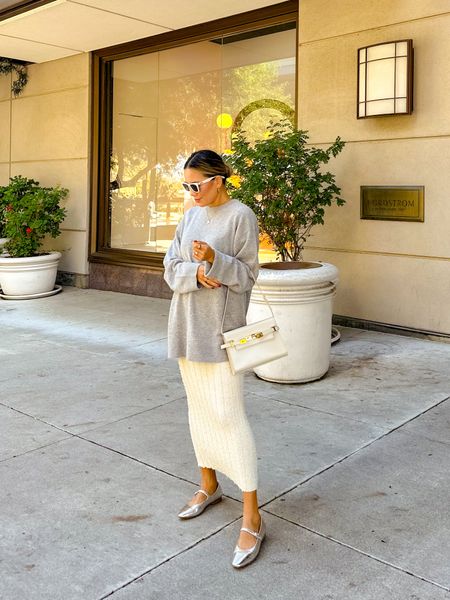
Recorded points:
(209, 163)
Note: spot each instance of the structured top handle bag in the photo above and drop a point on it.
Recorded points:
(252, 345)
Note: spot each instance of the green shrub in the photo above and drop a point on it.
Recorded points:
(282, 179)
(28, 213)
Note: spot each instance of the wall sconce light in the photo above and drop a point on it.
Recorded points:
(385, 79)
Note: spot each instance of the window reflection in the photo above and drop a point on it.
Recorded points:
(166, 105)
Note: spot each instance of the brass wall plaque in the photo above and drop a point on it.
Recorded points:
(396, 203)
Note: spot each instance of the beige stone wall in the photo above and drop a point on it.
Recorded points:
(392, 272)
(5, 112)
(45, 136)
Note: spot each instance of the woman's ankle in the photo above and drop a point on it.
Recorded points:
(209, 481)
(252, 521)
(210, 487)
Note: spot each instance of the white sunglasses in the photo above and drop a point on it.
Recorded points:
(195, 187)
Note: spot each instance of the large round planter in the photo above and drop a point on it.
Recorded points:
(301, 296)
(28, 276)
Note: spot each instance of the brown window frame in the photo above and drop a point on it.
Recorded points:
(21, 7)
(101, 115)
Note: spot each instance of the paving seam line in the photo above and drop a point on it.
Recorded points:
(322, 412)
(347, 417)
(119, 348)
(80, 437)
(60, 343)
(130, 416)
(331, 539)
(148, 571)
(363, 447)
(425, 437)
(152, 342)
(134, 459)
(284, 492)
(21, 412)
(32, 450)
(366, 554)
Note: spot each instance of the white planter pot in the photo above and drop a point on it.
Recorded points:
(28, 276)
(302, 301)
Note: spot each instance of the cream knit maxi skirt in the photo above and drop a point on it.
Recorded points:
(220, 430)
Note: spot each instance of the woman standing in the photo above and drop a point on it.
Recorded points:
(215, 248)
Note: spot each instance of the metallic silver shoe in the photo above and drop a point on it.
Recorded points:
(243, 557)
(189, 512)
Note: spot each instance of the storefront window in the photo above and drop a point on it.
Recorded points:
(169, 103)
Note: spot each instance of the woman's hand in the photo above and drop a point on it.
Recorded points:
(207, 282)
(202, 251)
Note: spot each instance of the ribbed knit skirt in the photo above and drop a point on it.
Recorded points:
(220, 430)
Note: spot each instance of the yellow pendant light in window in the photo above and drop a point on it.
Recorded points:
(224, 121)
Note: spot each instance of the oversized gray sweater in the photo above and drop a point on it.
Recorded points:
(196, 312)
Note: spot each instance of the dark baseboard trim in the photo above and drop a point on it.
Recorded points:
(72, 279)
(128, 280)
(389, 328)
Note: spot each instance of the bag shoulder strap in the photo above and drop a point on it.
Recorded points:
(226, 302)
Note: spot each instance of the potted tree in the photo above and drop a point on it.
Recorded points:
(282, 178)
(28, 213)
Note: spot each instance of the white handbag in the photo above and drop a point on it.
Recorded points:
(253, 345)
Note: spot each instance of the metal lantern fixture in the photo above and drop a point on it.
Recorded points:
(385, 79)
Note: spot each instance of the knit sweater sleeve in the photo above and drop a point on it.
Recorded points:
(240, 271)
(179, 274)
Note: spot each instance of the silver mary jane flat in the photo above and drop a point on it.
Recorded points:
(243, 557)
(189, 512)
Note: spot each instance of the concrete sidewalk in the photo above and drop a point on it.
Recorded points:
(96, 460)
